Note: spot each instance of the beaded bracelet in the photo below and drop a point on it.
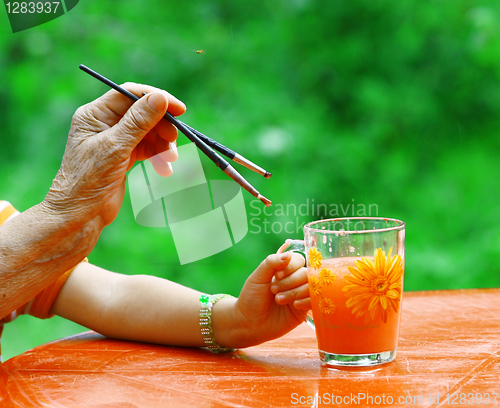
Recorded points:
(207, 302)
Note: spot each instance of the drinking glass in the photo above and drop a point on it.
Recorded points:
(355, 273)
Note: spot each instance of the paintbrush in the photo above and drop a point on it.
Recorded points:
(219, 161)
(226, 151)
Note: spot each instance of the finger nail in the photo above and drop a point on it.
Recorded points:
(162, 168)
(171, 154)
(280, 275)
(280, 298)
(170, 170)
(284, 256)
(157, 102)
(298, 304)
(274, 289)
(173, 148)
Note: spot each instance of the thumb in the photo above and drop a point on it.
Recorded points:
(140, 119)
(268, 267)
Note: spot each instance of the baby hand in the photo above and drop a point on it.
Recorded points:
(273, 301)
(290, 284)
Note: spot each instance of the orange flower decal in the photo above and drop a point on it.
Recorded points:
(317, 283)
(315, 258)
(375, 287)
(314, 285)
(327, 306)
(326, 277)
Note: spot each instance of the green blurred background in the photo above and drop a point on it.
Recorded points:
(390, 104)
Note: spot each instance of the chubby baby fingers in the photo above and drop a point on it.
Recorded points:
(292, 295)
(297, 261)
(293, 280)
(302, 304)
(291, 288)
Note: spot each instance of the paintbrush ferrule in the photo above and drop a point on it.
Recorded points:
(249, 165)
(231, 172)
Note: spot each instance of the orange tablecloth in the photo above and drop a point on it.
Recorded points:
(449, 354)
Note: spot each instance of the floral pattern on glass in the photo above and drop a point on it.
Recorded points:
(315, 258)
(317, 283)
(375, 286)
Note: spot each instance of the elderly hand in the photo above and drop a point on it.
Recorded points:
(106, 137)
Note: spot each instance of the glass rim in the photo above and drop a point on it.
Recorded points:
(399, 227)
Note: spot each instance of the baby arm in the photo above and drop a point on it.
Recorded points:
(138, 307)
(150, 309)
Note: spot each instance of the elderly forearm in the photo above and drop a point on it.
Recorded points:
(36, 247)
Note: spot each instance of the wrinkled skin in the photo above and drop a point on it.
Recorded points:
(106, 138)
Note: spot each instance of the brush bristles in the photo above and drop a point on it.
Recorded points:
(266, 201)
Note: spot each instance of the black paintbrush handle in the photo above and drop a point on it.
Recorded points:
(219, 161)
(213, 143)
(208, 140)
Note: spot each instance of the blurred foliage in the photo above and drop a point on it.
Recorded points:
(393, 105)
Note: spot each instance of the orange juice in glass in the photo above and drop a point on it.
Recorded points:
(355, 268)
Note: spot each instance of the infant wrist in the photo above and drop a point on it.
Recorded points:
(207, 332)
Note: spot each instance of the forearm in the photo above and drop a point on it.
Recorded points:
(163, 312)
(142, 308)
(150, 309)
(36, 247)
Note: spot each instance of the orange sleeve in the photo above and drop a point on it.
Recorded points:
(42, 303)
(6, 211)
